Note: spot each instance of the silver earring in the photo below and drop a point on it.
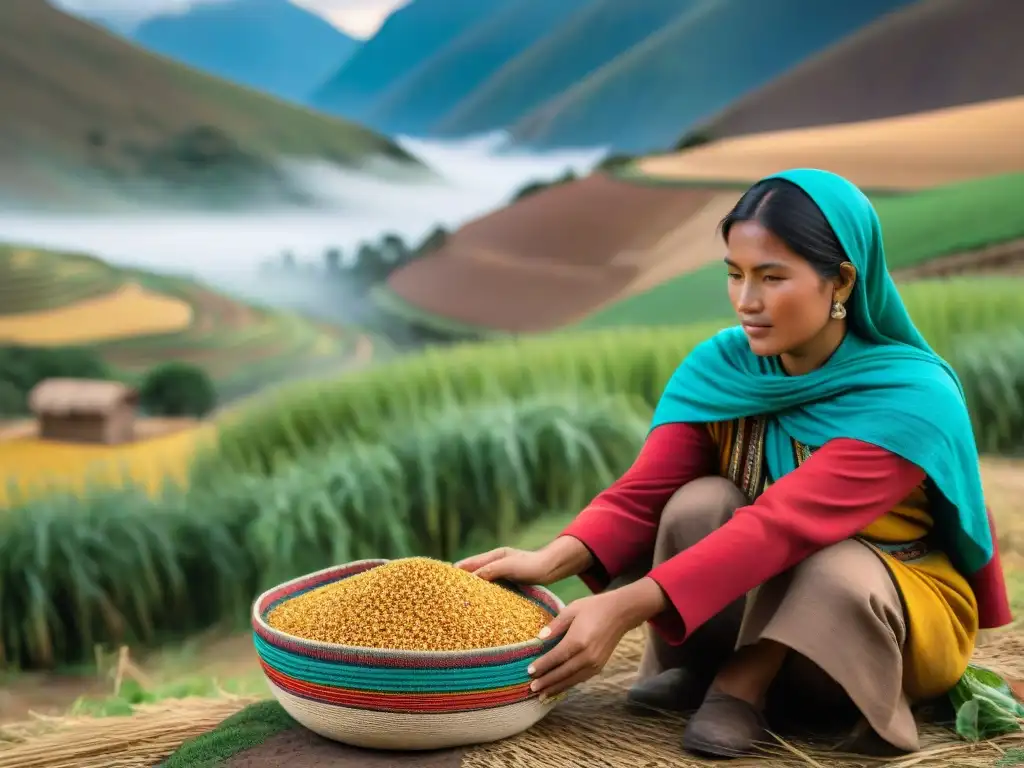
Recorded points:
(838, 310)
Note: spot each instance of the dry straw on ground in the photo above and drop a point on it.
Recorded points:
(140, 741)
(592, 729)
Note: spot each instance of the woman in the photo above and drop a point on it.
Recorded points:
(804, 527)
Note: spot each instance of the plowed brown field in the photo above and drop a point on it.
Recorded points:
(930, 55)
(552, 257)
(910, 152)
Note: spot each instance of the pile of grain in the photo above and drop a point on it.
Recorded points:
(412, 604)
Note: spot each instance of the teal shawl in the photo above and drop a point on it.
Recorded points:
(884, 385)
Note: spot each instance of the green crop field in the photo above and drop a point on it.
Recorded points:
(615, 360)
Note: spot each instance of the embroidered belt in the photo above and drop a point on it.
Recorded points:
(904, 551)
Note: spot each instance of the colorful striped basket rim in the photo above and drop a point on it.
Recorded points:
(387, 679)
(401, 702)
(266, 637)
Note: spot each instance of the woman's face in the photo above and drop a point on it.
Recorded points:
(783, 305)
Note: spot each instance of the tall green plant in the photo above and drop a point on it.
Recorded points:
(116, 566)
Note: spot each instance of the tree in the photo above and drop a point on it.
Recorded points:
(332, 258)
(24, 367)
(178, 389)
(12, 400)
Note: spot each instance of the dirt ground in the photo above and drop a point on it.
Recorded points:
(221, 657)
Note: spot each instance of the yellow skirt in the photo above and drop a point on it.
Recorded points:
(942, 622)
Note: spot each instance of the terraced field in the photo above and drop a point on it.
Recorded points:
(32, 280)
(137, 320)
(551, 258)
(609, 249)
(900, 153)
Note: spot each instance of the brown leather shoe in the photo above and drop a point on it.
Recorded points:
(725, 726)
(675, 690)
(864, 740)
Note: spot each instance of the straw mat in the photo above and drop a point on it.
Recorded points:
(590, 729)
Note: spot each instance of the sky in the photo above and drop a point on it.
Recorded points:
(359, 18)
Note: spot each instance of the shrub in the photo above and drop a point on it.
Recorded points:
(115, 566)
(177, 389)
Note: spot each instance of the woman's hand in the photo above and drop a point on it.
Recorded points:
(562, 558)
(591, 628)
(518, 565)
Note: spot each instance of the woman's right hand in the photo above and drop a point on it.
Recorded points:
(518, 565)
(562, 558)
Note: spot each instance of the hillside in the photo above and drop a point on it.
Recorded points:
(270, 45)
(636, 248)
(136, 320)
(89, 119)
(408, 37)
(594, 36)
(696, 66)
(927, 56)
(414, 103)
(550, 258)
(909, 152)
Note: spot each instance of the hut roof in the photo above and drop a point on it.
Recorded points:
(65, 397)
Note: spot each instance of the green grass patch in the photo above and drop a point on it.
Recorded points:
(953, 218)
(245, 730)
(133, 694)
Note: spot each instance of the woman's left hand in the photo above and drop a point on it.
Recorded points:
(591, 628)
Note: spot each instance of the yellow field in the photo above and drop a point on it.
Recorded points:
(129, 311)
(34, 467)
(911, 152)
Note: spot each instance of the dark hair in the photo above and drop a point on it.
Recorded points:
(791, 215)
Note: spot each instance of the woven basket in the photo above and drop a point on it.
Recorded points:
(399, 700)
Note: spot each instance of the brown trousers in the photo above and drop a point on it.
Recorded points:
(838, 611)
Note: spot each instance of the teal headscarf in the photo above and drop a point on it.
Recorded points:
(884, 385)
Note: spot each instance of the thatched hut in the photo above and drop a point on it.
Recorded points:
(84, 410)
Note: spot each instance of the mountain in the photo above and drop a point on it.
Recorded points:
(587, 40)
(89, 119)
(413, 104)
(927, 56)
(270, 45)
(408, 37)
(708, 57)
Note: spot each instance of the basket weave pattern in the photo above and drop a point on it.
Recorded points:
(398, 699)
